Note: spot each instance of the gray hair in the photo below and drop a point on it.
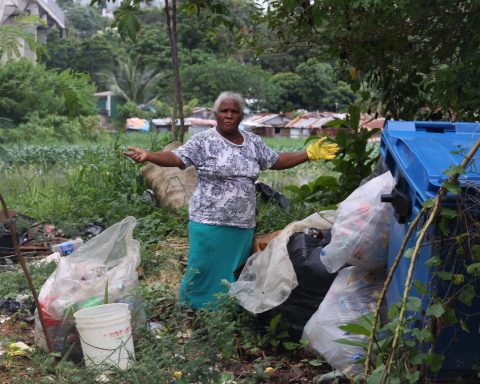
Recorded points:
(229, 96)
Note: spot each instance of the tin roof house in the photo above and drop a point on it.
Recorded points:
(265, 124)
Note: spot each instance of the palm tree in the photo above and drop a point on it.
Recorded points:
(133, 81)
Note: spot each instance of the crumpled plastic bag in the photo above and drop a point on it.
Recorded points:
(268, 277)
(110, 259)
(18, 349)
(360, 235)
(354, 293)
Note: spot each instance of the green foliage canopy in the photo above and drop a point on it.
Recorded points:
(26, 88)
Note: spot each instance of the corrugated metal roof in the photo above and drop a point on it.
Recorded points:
(263, 120)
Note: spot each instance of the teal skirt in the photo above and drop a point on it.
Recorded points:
(216, 251)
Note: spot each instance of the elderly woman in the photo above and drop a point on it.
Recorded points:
(222, 208)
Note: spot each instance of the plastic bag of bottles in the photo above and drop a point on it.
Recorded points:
(103, 270)
(353, 294)
(360, 234)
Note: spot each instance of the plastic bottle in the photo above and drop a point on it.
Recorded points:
(67, 247)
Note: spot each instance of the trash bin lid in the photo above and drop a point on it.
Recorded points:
(422, 151)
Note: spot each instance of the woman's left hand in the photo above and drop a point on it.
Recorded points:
(320, 150)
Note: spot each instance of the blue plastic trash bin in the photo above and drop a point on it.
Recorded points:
(417, 154)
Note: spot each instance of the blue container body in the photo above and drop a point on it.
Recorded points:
(417, 154)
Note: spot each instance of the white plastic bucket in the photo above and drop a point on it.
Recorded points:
(106, 335)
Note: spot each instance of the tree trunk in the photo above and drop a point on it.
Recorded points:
(172, 36)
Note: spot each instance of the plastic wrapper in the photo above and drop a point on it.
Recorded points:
(80, 280)
(360, 234)
(269, 277)
(353, 294)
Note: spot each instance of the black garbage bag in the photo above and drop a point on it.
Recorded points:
(314, 280)
(269, 194)
(92, 229)
(380, 168)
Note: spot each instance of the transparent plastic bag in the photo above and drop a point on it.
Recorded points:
(268, 277)
(360, 234)
(108, 260)
(353, 294)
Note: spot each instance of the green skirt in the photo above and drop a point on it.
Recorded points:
(216, 251)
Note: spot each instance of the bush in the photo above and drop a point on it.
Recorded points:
(55, 128)
(26, 89)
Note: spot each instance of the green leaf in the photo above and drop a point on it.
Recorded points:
(377, 376)
(476, 252)
(408, 253)
(418, 358)
(450, 316)
(355, 329)
(435, 361)
(420, 287)
(428, 203)
(413, 377)
(448, 213)
(474, 269)
(443, 225)
(354, 343)
(126, 19)
(436, 310)
(393, 311)
(354, 119)
(452, 187)
(467, 294)
(454, 170)
(291, 346)
(414, 304)
(433, 262)
(316, 363)
(446, 276)
(458, 279)
(422, 334)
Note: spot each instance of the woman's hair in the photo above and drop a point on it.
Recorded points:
(229, 96)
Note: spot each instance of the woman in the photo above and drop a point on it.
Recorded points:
(222, 208)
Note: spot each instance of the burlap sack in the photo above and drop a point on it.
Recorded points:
(171, 185)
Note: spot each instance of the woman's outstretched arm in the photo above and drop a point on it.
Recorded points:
(163, 158)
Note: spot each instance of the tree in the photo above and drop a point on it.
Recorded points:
(27, 88)
(132, 80)
(410, 54)
(205, 81)
(86, 21)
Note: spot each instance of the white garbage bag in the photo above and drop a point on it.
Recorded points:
(268, 277)
(354, 293)
(360, 235)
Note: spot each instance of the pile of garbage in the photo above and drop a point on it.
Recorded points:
(101, 271)
(324, 272)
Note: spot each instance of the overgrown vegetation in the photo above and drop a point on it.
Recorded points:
(99, 184)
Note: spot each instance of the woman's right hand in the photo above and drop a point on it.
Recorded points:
(137, 154)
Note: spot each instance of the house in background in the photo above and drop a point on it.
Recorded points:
(197, 125)
(311, 124)
(372, 122)
(265, 124)
(107, 104)
(47, 10)
(164, 125)
(135, 124)
(202, 113)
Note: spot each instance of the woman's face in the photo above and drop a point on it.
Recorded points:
(228, 116)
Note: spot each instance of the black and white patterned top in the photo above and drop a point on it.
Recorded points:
(225, 194)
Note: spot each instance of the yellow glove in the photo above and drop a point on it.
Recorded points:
(318, 150)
